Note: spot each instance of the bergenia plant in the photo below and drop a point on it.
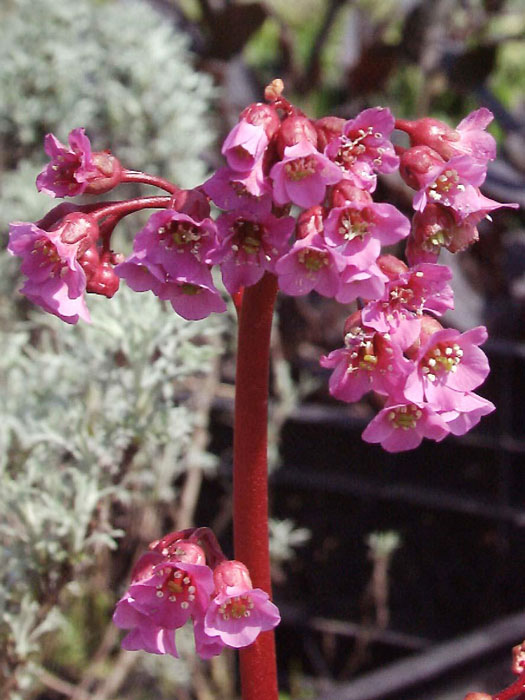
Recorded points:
(298, 214)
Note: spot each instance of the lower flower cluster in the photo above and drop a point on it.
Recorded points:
(185, 577)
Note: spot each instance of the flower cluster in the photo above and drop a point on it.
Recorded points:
(325, 172)
(186, 577)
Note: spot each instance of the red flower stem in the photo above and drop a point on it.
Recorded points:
(258, 666)
(147, 179)
(129, 206)
(512, 690)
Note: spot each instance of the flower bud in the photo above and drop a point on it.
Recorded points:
(260, 114)
(416, 162)
(103, 280)
(232, 574)
(431, 132)
(391, 266)
(345, 192)
(109, 173)
(89, 261)
(328, 128)
(274, 90)
(310, 221)
(429, 326)
(77, 227)
(194, 203)
(294, 130)
(189, 552)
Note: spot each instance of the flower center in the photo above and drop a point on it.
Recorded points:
(441, 360)
(190, 290)
(313, 260)
(49, 256)
(180, 234)
(236, 607)
(353, 147)
(436, 238)
(64, 170)
(248, 236)
(300, 168)
(178, 587)
(405, 417)
(363, 356)
(353, 224)
(445, 184)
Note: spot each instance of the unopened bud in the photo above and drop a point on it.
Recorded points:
(189, 552)
(431, 132)
(110, 173)
(346, 192)
(264, 115)
(294, 130)
(231, 574)
(416, 162)
(429, 326)
(310, 221)
(274, 90)
(328, 128)
(78, 228)
(391, 266)
(103, 281)
(194, 203)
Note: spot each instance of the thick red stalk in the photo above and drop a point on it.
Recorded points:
(250, 473)
(147, 179)
(513, 690)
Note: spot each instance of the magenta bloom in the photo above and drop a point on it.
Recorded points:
(191, 291)
(400, 427)
(467, 413)
(244, 145)
(448, 363)
(364, 148)
(398, 310)
(309, 265)
(229, 190)
(352, 227)
(249, 246)
(303, 175)
(238, 613)
(369, 362)
(56, 280)
(355, 282)
(70, 169)
(143, 635)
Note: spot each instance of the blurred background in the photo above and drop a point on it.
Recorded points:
(397, 576)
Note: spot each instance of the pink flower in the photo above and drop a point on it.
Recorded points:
(244, 145)
(352, 227)
(249, 246)
(143, 634)
(364, 147)
(398, 310)
(238, 612)
(309, 265)
(400, 427)
(75, 170)
(368, 362)
(56, 280)
(229, 190)
(303, 175)
(468, 410)
(190, 291)
(355, 282)
(454, 184)
(447, 366)
(167, 590)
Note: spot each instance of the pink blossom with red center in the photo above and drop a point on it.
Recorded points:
(398, 311)
(143, 635)
(369, 362)
(229, 190)
(70, 168)
(364, 148)
(244, 145)
(238, 613)
(56, 280)
(249, 245)
(303, 175)
(448, 363)
(168, 592)
(352, 227)
(310, 265)
(402, 426)
(174, 239)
